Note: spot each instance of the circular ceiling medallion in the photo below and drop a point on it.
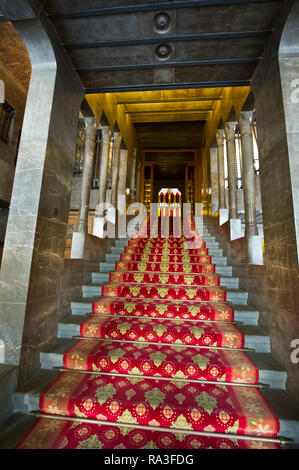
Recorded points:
(163, 52)
(162, 23)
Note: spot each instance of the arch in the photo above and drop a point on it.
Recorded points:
(36, 232)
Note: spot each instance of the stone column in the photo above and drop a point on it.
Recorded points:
(255, 251)
(122, 180)
(89, 153)
(106, 137)
(138, 179)
(214, 178)
(230, 131)
(246, 118)
(133, 176)
(115, 167)
(33, 255)
(223, 211)
(78, 241)
(230, 128)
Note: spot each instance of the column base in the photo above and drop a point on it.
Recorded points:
(2, 352)
(98, 226)
(78, 243)
(255, 249)
(111, 215)
(105, 226)
(235, 229)
(223, 216)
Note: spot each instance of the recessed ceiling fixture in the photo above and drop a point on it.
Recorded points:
(162, 23)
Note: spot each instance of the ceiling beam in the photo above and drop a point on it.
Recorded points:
(169, 112)
(155, 65)
(169, 118)
(176, 111)
(154, 7)
(164, 100)
(169, 86)
(166, 39)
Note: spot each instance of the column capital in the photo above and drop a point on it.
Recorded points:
(220, 136)
(230, 130)
(246, 122)
(117, 138)
(117, 135)
(90, 124)
(106, 134)
(246, 116)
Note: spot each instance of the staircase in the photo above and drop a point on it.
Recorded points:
(162, 351)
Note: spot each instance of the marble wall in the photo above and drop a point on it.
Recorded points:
(33, 256)
(281, 314)
(273, 288)
(77, 272)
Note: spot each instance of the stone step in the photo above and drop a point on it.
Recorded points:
(224, 270)
(221, 269)
(112, 257)
(233, 295)
(117, 250)
(121, 243)
(215, 251)
(210, 239)
(218, 260)
(27, 400)
(270, 372)
(243, 313)
(212, 245)
(236, 296)
(212, 233)
(107, 267)
(255, 337)
(92, 290)
(100, 278)
(225, 281)
(229, 282)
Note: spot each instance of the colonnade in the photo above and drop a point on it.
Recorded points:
(226, 135)
(112, 180)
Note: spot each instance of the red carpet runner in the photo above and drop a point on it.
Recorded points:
(161, 326)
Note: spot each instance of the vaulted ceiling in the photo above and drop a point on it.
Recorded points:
(121, 45)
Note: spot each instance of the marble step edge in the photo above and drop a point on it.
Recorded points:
(270, 372)
(27, 399)
(255, 338)
(243, 314)
(235, 296)
(225, 281)
(210, 241)
(213, 251)
(106, 267)
(220, 260)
